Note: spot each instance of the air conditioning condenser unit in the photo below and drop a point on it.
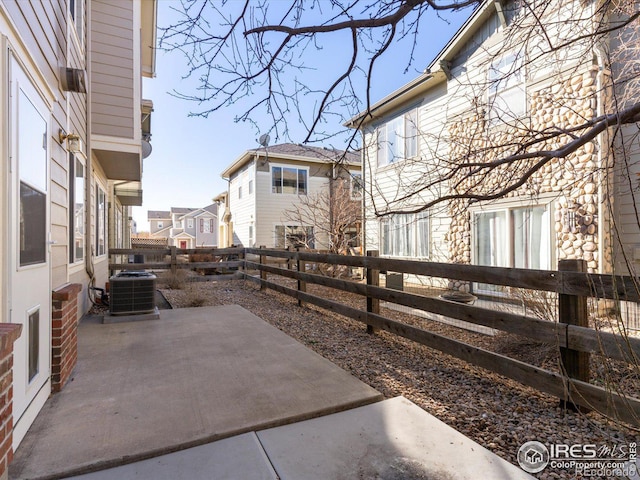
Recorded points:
(132, 292)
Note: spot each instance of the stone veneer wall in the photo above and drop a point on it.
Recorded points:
(575, 179)
(9, 333)
(64, 338)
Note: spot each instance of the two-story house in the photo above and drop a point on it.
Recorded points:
(185, 227)
(267, 184)
(509, 82)
(72, 115)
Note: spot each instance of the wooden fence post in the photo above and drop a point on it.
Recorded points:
(263, 274)
(373, 278)
(302, 267)
(174, 260)
(289, 260)
(572, 310)
(242, 256)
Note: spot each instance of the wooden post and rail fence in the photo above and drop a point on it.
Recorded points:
(573, 286)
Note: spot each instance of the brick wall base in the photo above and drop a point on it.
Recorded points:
(9, 333)
(64, 336)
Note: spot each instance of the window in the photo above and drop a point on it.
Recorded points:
(160, 224)
(240, 191)
(250, 187)
(398, 139)
(289, 180)
(405, 235)
(76, 8)
(250, 235)
(178, 224)
(119, 240)
(356, 185)
(206, 225)
(76, 209)
(190, 223)
(294, 236)
(34, 343)
(101, 221)
(507, 98)
(513, 237)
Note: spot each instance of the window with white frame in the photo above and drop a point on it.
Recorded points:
(101, 221)
(178, 224)
(240, 191)
(190, 223)
(506, 97)
(294, 236)
(518, 237)
(356, 185)
(76, 209)
(76, 9)
(119, 241)
(160, 224)
(405, 235)
(250, 187)
(398, 138)
(290, 180)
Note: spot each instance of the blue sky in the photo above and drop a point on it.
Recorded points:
(189, 153)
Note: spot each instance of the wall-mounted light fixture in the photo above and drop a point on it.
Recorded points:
(74, 144)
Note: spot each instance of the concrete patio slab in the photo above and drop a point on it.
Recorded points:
(393, 439)
(229, 459)
(143, 389)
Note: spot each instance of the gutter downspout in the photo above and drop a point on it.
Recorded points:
(88, 257)
(605, 209)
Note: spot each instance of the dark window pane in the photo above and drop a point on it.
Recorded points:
(34, 343)
(302, 182)
(289, 180)
(276, 178)
(33, 229)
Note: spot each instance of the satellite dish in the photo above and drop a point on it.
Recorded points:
(264, 140)
(146, 149)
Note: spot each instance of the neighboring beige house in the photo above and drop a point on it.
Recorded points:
(265, 183)
(481, 91)
(185, 227)
(73, 143)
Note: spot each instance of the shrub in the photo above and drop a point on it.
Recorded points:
(177, 280)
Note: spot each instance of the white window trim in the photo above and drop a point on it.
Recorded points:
(272, 165)
(276, 225)
(512, 204)
(416, 242)
(78, 39)
(189, 222)
(353, 174)
(492, 95)
(80, 262)
(406, 139)
(103, 189)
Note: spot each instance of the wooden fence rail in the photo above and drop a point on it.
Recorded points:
(174, 255)
(576, 340)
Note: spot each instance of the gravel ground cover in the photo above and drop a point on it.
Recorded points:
(496, 412)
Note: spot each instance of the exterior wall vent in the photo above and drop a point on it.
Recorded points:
(73, 80)
(132, 292)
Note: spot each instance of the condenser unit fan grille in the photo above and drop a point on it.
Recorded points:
(132, 293)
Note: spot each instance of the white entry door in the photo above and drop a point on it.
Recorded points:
(30, 289)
